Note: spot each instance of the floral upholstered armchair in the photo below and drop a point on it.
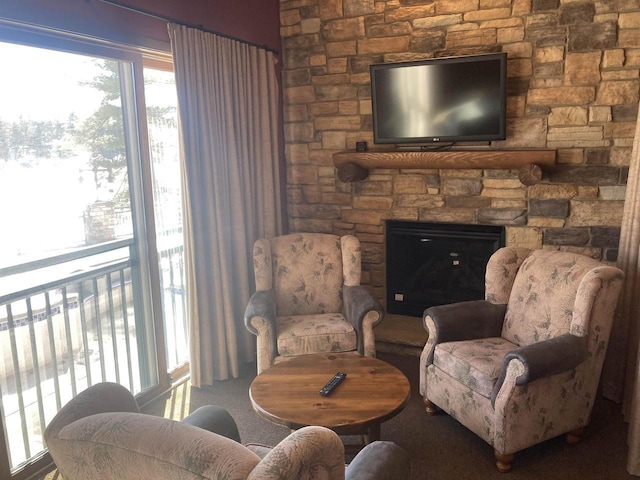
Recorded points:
(100, 435)
(522, 366)
(309, 299)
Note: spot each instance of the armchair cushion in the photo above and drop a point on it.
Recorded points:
(322, 333)
(474, 363)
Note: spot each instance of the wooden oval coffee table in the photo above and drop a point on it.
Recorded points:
(372, 392)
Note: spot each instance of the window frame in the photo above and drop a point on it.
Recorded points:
(140, 182)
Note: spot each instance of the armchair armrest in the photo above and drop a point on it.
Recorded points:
(544, 359)
(261, 304)
(309, 452)
(260, 319)
(214, 419)
(466, 320)
(358, 302)
(380, 461)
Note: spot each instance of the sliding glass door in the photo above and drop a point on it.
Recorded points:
(90, 233)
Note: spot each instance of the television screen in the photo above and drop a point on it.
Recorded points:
(450, 99)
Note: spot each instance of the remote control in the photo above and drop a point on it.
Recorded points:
(332, 384)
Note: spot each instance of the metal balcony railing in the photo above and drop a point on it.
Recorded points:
(69, 322)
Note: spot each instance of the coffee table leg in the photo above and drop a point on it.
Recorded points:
(372, 434)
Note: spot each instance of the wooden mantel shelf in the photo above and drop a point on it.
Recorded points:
(353, 166)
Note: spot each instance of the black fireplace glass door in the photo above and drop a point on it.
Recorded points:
(436, 263)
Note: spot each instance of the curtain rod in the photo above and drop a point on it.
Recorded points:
(149, 13)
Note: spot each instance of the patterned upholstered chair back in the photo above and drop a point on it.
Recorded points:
(547, 300)
(307, 271)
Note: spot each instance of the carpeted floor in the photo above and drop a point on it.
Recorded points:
(439, 447)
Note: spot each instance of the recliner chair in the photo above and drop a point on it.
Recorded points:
(309, 299)
(523, 365)
(101, 435)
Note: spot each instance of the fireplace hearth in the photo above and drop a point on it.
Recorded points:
(436, 263)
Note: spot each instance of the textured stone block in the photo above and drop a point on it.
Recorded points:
(409, 13)
(526, 237)
(383, 45)
(568, 116)
(576, 13)
(493, 216)
(485, 36)
(555, 208)
(358, 7)
(437, 21)
(410, 184)
(552, 191)
(310, 25)
(566, 236)
(596, 213)
(427, 41)
(487, 14)
(585, 175)
(447, 215)
(343, 29)
(612, 192)
(596, 36)
(372, 203)
(561, 96)
(455, 6)
(424, 200)
(600, 114)
(341, 49)
(617, 93)
(298, 132)
(340, 122)
(525, 132)
(468, 202)
(540, 5)
(511, 193)
(459, 186)
(542, 20)
(389, 30)
(542, 222)
(582, 68)
(299, 174)
(366, 217)
(605, 237)
(336, 92)
(509, 35)
(330, 9)
(596, 156)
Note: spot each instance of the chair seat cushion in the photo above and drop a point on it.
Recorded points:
(474, 363)
(321, 333)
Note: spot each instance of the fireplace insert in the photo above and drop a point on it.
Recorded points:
(437, 263)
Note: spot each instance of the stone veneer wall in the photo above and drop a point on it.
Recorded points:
(573, 69)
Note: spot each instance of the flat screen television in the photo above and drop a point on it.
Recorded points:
(449, 99)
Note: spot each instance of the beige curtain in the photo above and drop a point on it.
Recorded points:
(228, 103)
(621, 377)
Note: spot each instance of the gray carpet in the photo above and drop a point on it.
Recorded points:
(439, 447)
